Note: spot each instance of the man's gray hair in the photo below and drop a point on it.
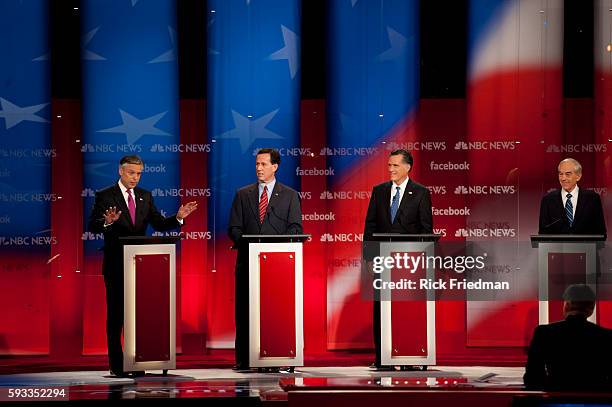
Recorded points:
(577, 165)
(131, 159)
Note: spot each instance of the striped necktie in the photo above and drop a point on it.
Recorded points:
(569, 209)
(395, 204)
(263, 204)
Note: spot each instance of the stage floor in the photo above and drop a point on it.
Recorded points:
(223, 383)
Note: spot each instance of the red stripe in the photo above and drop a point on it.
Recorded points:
(263, 204)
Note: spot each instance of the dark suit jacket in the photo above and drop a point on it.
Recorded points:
(413, 216)
(283, 216)
(574, 354)
(588, 220)
(146, 213)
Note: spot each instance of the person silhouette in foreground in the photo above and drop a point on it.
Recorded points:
(573, 354)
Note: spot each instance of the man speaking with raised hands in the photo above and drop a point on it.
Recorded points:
(122, 210)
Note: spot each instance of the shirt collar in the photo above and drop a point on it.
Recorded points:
(122, 187)
(402, 185)
(270, 185)
(574, 192)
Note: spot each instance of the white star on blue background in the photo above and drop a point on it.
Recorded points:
(169, 55)
(96, 169)
(348, 124)
(87, 54)
(44, 57)
(134, 2)
(135, 128)
(289, 51)
(211, 50)
(13, 114)
(247, 131)
(398, 43)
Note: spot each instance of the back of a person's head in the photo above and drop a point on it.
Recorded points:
(579, 300)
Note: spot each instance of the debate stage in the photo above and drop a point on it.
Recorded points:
(321, 386)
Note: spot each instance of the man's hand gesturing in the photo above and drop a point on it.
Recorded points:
(111, 215)
(186, 209)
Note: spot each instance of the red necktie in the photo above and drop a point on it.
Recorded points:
(131, 206)
(263, 204)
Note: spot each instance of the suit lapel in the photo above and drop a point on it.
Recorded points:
(275, 197)
(560, 206)
(387, 199)
(254, 201)
(140, 206)
(579, 206)
(407, 195)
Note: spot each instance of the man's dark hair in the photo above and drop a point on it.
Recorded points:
(275, 157)
(406, 156)
(580, 299)
(131, 159)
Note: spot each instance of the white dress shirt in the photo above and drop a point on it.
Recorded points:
(269, 185)
(125, 198)
(125, 194)
(574, 198)
(394, 190)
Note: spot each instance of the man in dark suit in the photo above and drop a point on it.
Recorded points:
(573, 354)
(571, 210)
(122, 210)
(266, 207)
(399, 205)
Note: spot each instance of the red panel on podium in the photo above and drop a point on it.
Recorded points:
(409, 328)
(152, 307)
(409, 317)
(277, 304)
(564, 269)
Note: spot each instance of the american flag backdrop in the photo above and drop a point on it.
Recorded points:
(25, 183)
(253, 102)
(373, 90)
(515, 89)
(487, 158)
(130, 106)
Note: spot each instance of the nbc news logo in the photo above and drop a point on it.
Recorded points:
(327, 237)
(486, 145)
(461, 190)
(461, 233)
(326, 195)
(87, 148)
(485, 190)
(91, 236)
(88, 193)
(577, 148)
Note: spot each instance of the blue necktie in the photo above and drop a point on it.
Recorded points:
(569, 209)
(395, 204)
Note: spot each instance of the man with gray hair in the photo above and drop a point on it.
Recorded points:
(570, 209)
(120, 210)
(573, 354)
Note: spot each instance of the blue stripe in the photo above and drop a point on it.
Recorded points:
(25, 134)
(253, 93)
(373, 70)
(130, 93)
(483, 15)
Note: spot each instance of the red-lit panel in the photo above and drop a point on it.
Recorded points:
(408, 317)
(152, 307)
(277, 304)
